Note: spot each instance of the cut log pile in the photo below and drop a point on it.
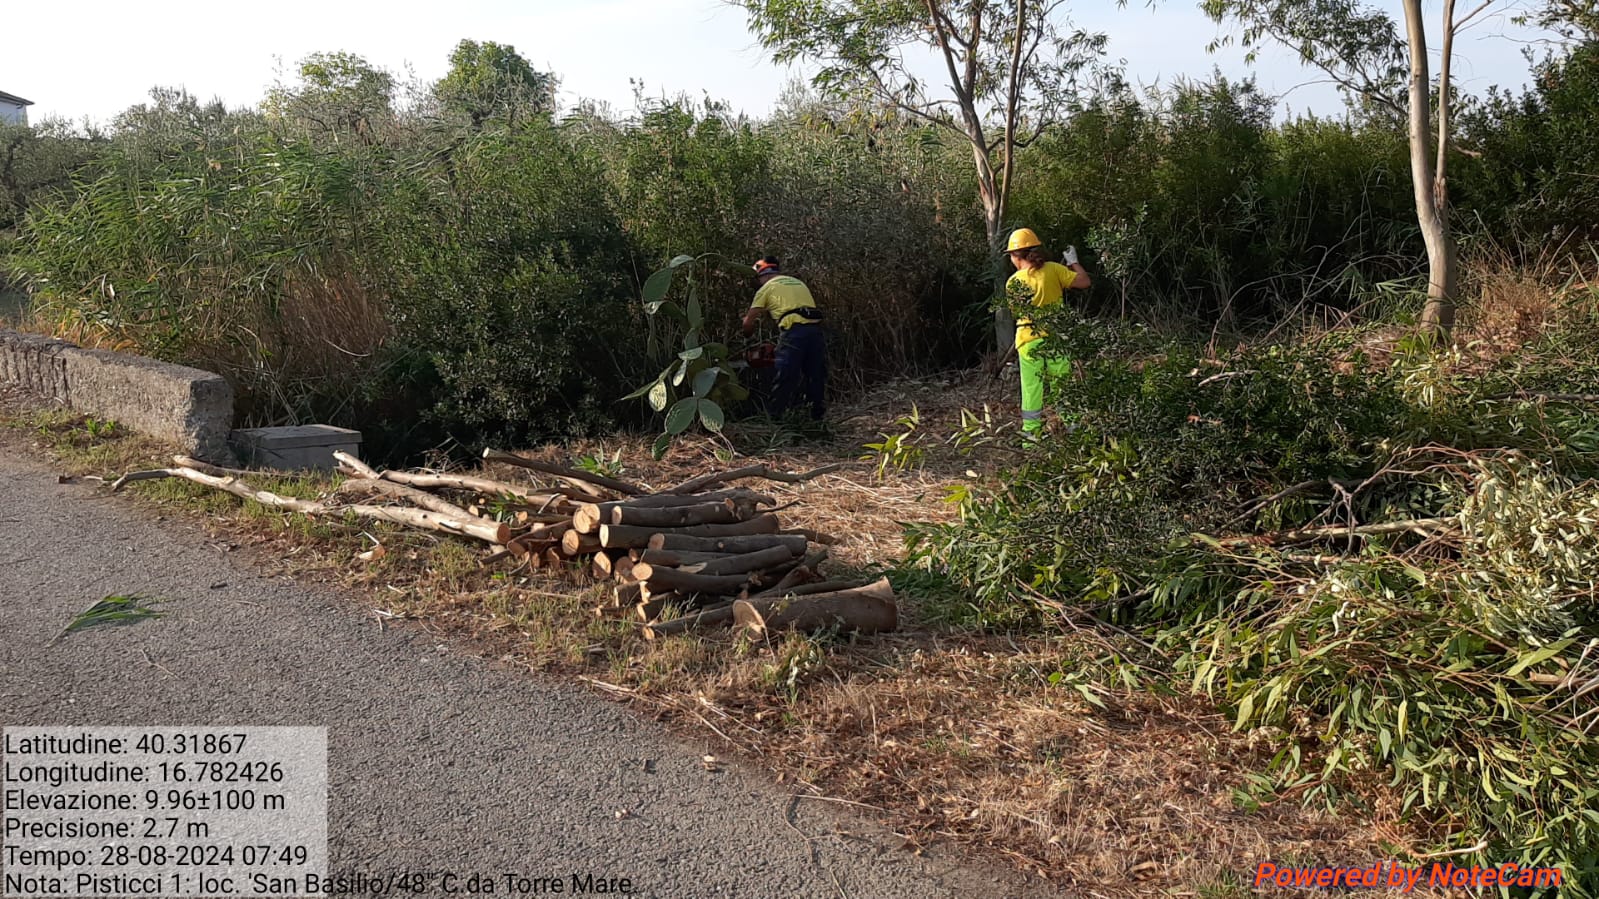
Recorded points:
(701, 554)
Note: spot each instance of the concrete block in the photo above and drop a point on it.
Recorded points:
(35, 363)
(187, 406)
(295, 447)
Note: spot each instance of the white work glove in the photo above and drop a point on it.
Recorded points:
(1070, 256)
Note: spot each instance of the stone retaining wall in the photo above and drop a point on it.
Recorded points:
(190, 407)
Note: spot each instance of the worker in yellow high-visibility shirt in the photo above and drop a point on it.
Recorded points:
(802, 348)
(1039, 283)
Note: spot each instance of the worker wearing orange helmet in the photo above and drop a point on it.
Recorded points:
(1039, 283)
(802, 348)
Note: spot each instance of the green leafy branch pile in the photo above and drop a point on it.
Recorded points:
(1381, 567)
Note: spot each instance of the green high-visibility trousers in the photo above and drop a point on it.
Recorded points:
(1036, 369)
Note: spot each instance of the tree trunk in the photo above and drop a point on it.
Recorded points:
(1432, 214)
(867, 610)
(607, 561)
(589, 516)
(623, 536)
(814, 536)
(1004, 322)
(673, 580)
(575, 544)
(677, 558)
(742, 563)
(710, 616)
(724, 512)
(737, 544)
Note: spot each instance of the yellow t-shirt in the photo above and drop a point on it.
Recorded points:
(1040, 287)
(782, 295)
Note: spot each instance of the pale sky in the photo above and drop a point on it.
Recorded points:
(92, 58)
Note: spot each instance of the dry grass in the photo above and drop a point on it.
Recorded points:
(942, 736)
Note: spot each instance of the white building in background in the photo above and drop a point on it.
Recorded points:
(13, 109)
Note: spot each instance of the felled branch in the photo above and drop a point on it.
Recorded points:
(491, 532)
(711, 616)
(563, 473)
(420, 498)
(475, 484)
(734, 544)
(1416, 525)
(1551, 397)
(694, 485)
(869, 609)
(623, 536)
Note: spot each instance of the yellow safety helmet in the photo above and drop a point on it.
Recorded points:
(1023, 239)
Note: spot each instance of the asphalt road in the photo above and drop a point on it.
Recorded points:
(438, 760)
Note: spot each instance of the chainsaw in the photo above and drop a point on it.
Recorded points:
(761, 355)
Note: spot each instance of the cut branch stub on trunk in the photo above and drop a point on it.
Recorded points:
(868, 610)
(552, 531)
(735, 544)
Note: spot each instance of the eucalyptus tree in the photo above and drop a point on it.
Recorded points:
(1007, 71)
(1361, 49)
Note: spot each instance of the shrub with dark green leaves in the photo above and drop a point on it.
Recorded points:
(497, 261)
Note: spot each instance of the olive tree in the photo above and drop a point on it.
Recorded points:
(1007, 67)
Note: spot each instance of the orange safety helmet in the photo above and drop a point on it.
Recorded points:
(765, 264)
(1023, 239)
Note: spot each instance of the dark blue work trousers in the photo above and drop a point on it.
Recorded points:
(801, 358)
